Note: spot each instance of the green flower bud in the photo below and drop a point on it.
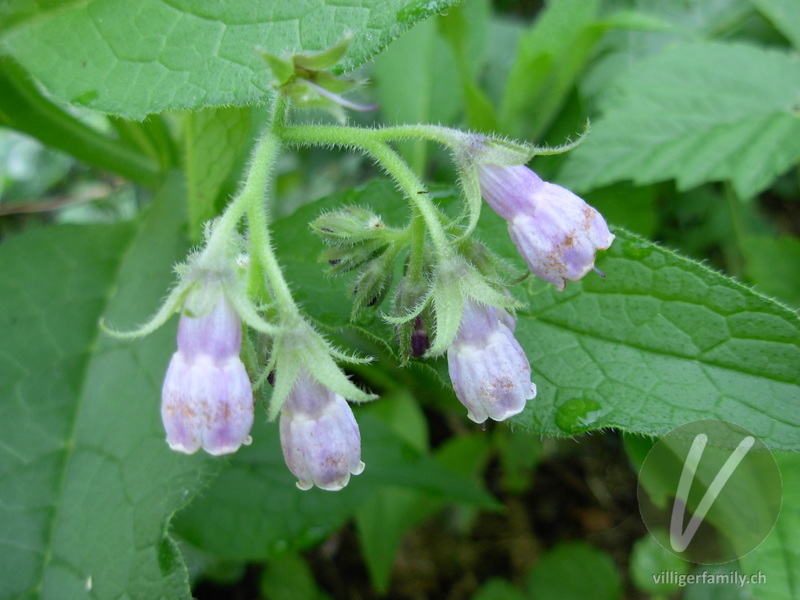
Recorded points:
(348, 226)
(303, 78)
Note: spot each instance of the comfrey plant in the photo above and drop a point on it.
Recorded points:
(240, 325)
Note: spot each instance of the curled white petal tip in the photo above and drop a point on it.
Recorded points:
(179, 447)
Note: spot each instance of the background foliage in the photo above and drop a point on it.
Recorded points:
(138, 120)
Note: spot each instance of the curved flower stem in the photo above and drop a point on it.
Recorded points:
(358, 136)
(255, 183)
(417, 252)
(374, 142)
(414, 190)
(261, 246)
(250, 201)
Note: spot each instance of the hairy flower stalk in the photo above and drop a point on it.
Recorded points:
(319, 436)
(555, 231)
(488, 368)
(207, 400)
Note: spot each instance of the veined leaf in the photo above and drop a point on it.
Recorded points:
(661, 341)
(87, 482)
(134, 58)
(696, 113)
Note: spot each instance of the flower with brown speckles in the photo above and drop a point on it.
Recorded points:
(555, 231)
(207, 400)
(490, 373)
(319, 436)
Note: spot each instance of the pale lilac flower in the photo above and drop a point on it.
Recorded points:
(555, 231)
(488, 368)
(207, 400)
(319, 436)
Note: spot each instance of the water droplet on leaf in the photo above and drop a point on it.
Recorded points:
(636, 249)
(578, 415)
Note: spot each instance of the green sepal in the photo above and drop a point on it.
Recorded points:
(326, 58)
(372, 283)
(331, 82)
(299, 347)
(490, 264)
(565, 147)
(477, 148)
(283, 70)
(456, 279)
(342, 259)
(448, 302)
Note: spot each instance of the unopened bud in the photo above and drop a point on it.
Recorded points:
(348, 226)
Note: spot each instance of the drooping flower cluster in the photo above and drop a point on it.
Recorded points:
(557, 234)
(451, 297)
(207, 400)
(555, 231)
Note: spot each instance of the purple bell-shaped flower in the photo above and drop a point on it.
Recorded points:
(319, 436)
(488, 368)
(207, 400)
(555, 231)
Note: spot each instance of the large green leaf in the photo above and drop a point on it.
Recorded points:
(87, 482)
(696, 113)
(549, 59)
(661, 341)
(134, 58)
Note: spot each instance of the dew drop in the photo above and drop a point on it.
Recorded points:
(578, 415)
